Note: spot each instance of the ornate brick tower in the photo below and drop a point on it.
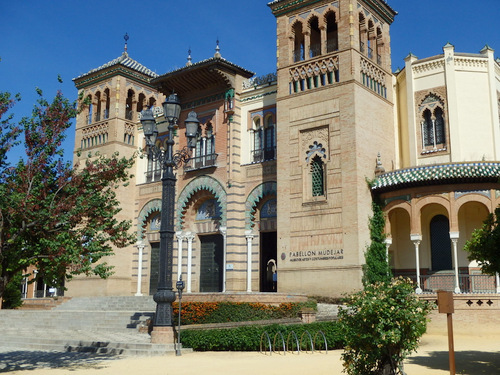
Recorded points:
(117, 92)
(335, 113)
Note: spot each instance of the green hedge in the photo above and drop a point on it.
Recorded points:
(223, 312)
(248, 338)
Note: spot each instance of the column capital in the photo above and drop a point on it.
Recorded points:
(180, 235)
(249, 234)
(454, 235)
(416, 237)
(189, 236)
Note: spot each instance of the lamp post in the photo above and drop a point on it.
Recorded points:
(168, 160)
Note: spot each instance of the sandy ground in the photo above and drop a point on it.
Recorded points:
(477, 353)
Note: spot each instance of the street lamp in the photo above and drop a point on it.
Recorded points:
(168, 160)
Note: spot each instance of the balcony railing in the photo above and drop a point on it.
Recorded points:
(473, 284)
(260, 155)
(199, 162)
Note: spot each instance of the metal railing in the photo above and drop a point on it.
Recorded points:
(471, 284)
(263, 154)
(199, 162)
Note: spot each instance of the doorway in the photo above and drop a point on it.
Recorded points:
(268, 262)
(440, 243)
(211, 263)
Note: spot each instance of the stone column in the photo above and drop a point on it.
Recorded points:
(190, 237)
(249, 236)
(223, 231)
(388, 243)
(454, 240)
(180, 239)
(416, 238)
(140, 248)
(497, 279)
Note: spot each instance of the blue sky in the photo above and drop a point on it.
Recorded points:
(46, 38)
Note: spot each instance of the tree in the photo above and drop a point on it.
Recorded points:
(55, 216)
(484, 245)
(381, 326)
(376, 267)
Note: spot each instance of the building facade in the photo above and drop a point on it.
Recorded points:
(275, 197)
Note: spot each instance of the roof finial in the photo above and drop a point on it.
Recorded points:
(126, 37)
(379, 169)
(217, 50)
(189, 62)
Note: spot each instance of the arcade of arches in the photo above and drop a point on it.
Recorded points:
(427, 230)
(202, 237)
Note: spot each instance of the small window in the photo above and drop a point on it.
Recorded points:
(317, 177)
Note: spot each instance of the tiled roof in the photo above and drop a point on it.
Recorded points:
(437, 174)
(209, 61)
(124, 60)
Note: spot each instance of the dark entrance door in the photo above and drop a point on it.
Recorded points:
(268, 262)
(154, 268)
(440, 243)
(211, 266)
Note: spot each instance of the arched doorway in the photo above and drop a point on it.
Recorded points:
(440, 243)
(211, 263)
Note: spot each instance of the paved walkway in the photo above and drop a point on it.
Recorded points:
(476, 354)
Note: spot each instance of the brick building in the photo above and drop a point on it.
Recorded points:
(275, 197)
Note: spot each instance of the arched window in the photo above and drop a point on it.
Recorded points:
(432, 124)
(317, 177)
(269, 139)
(98, 106)
(371, 37)
(141, 102)
(362, 34)
(108, 100)
(89, 115)
(298, 47)
(258, 140)
(205, 155)
(332, 33)
(315, 38)
(129, 110)
(151, 102)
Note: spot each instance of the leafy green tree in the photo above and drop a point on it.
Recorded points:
(56, 216)
(381, 326)
(376, 267)
(484, 245)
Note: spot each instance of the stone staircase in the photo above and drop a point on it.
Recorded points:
(101, 325)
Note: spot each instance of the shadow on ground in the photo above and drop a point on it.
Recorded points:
(32, 360)
(469, 362)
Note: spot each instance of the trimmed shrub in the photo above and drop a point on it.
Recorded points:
(223, 312)
(248, 338)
